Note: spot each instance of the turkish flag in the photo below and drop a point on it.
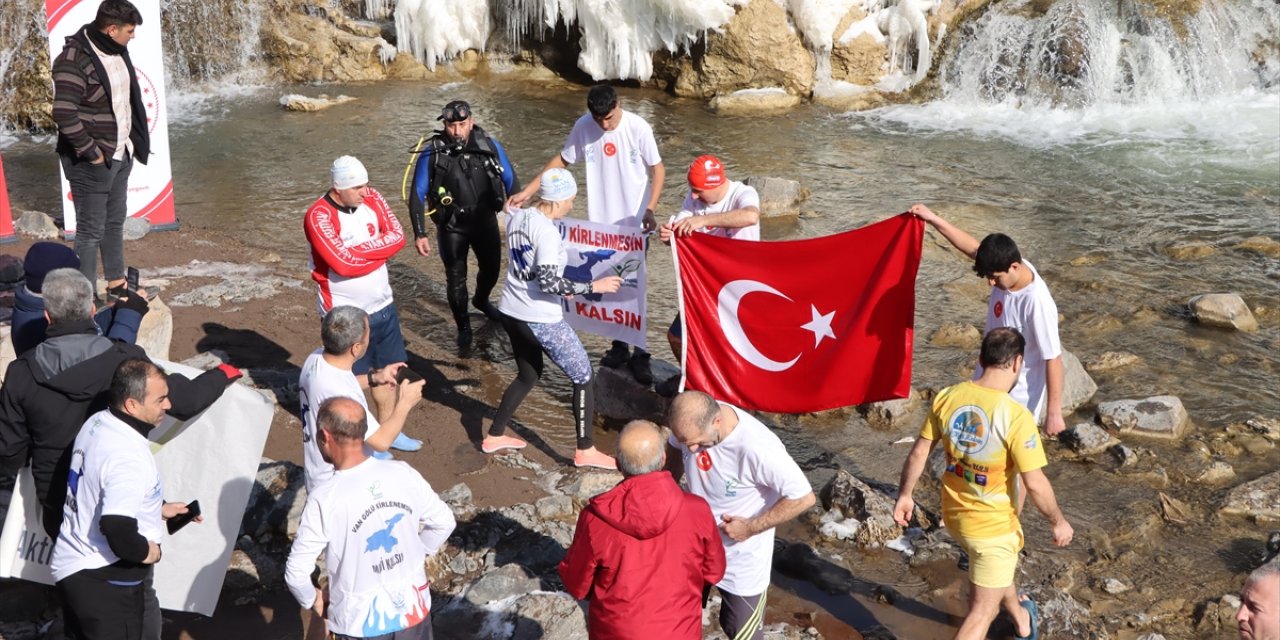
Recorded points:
(801, 325)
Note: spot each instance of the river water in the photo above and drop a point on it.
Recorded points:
(1094, 198)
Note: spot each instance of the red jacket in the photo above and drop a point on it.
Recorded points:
(642, 553)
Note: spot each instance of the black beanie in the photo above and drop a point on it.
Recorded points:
(44, 257)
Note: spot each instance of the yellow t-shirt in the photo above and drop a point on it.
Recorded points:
(988, 438)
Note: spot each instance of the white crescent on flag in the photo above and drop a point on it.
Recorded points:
(730, 298)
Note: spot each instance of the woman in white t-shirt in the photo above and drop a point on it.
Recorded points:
(534, 318)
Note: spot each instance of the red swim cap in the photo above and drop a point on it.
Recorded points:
(707, 172)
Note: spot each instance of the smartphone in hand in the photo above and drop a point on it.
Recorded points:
(131, 279)
(179, 521)
(405, 373)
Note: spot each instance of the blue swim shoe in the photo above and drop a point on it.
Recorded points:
(405, 443)
(381, 455)
(1034, 614)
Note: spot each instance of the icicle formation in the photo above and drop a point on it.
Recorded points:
(618, 38)
(904, 27)
(1085, 52)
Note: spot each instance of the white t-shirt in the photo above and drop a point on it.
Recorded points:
(744, 475)
(376, 523)
(319, 382)
(112, 474)
(1032, 312)
(739, 196)
(617, 167)
(532, 240)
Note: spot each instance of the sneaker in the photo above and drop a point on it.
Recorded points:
(639, 366)
(464, 337)
(669, 387)
(591, 458)
(494, 444)
(617, 355)
(491, 312)
(405, 443)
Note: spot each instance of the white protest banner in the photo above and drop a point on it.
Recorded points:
(150, 193)
(597, 250)
(212, 458)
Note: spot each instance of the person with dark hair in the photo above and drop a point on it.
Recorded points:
(119, 321)
(534, 318)
(50, 390)
(327, 373)
(990, 441)
(109, 540)
(102, 129)
(461, 178)
(376, 522)
(644, 550)
(744, 472)
(624, 182)
(1019, 299)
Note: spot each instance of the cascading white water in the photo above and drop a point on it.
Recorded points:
(1202, 87)
(211, 47)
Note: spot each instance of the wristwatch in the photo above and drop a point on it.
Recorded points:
(372, 383)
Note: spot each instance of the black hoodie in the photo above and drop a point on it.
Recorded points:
(52, 389)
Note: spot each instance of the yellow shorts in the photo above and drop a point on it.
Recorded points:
(993, 561)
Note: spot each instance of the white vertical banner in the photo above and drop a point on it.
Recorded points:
(150, 193)
(597, 250)
(212, 458)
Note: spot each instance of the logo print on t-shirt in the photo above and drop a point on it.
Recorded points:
(969, 428)
(373, 231)
(610, 149)
(382, 537)
(999, 308)
(704, 461)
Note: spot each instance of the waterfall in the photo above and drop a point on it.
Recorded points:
(1078, 53)
(212, 42)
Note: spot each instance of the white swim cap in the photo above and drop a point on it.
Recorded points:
(348, 173)
(557, 185)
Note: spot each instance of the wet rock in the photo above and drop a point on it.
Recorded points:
(960, 336)
(554, 507)
(801, 561)
(1088, 259)
(34, 224)
(1174, 510)
(1218, 616)
(1087, 438)
(1110, 360)
(276, 501)
(1190, 250)
(1256, 445)
(459, 499)
(779, 197)
(1077, 386)
(1158, 416)
(1268, 428)
(1258, 499)
(155, 332)
(549, 615)
(755, 102)
(890, 415)
(296, 102)
(304, 43)
(620, 397)
(1216, 472)
(871, 507)
(589, 484)
(1223, 310)
(756, 48)
(136, 228)
(1114, 586)
(501, 583)
(1262, 245)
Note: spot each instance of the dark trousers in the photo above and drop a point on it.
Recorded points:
(481, 236)
(99, 194)
(96, 608)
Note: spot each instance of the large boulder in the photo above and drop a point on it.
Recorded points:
(1087, 438)
(754, 102)
(1158, 416)
(620, 397)
(756, 49)
(1257, 500)
(890, 415)
(155, 332)
(276, 501)
(871, 507)
(553, 616)
(1223, 310)
(502, 583)
(298, 102)
(779, 197)
(1077, 386)
(959, 336)
(34, 224)
(312, 41)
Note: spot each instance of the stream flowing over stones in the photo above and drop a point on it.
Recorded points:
(1131, 147)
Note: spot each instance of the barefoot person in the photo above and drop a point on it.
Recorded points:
(624, 181)
(989, 440)
(1019, 299)
(534, 318)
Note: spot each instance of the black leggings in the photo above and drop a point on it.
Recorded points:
(528, 353)
(483, 238)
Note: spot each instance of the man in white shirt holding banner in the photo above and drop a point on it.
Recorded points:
(624, 181)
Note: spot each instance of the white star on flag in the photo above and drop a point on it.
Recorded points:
(820, 325)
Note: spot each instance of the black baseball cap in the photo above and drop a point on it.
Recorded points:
(455, 111)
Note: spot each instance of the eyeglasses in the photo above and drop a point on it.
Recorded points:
(456, 113)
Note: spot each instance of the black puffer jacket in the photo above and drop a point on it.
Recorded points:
(52, 389)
